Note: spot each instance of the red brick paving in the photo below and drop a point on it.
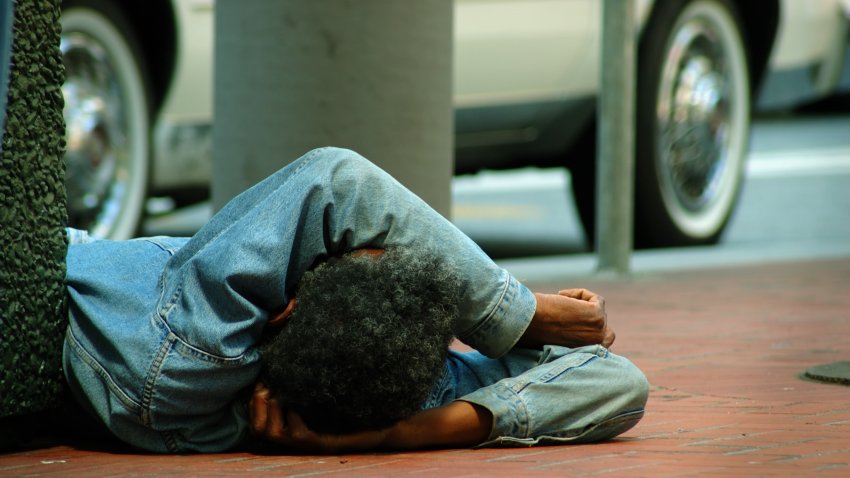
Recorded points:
(724, 350)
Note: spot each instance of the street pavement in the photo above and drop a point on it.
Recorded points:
(724, 350)
(724, 334)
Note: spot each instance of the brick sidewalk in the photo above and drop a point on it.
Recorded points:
(723, 349)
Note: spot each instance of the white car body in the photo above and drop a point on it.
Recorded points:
(182, 132)
(506, 52)
(526, 77)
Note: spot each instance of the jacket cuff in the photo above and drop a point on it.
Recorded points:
(510, 415)
(497, 333)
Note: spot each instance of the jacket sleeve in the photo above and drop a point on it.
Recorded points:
(248, 259)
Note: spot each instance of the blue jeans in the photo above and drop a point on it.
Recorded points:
(161, 344)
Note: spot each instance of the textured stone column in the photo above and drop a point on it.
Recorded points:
(32, 212)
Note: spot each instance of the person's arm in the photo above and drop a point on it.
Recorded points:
(570, 318)
(458, 424)
(246, 262)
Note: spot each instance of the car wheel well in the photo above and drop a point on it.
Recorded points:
(158, 45)
(760, 21)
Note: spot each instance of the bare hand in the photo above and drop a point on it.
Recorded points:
(571, 318)
(270, 421)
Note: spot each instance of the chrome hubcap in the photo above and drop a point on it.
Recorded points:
(694, 115)
(97, 154)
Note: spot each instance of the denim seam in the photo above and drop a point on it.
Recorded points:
(555, 373)
(167, 306)
(161, 319)
(506, 406)
(433, 399)
(186, 349)
(521, 410)
(170, 440)
(153, 373)
(161, 246)
(130, 404)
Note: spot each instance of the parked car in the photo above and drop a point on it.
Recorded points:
(139, 98)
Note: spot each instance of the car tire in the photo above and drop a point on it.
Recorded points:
(107, 116)
(693, 122)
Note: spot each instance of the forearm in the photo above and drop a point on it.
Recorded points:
(570, 318)
(459, 424)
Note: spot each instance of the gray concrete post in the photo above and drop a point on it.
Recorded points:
(615, 152)
(370, 75)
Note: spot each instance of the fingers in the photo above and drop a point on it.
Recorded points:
(270, 421)
(298, 431)
(300, 436)
(573, 318)
(583, 294)
(566, 319)
(610, 336)
(281, 318)
(591, 304)
(276, 424)
(266, 417)
(258, 407)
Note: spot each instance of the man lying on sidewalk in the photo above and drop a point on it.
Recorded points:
(315, 309)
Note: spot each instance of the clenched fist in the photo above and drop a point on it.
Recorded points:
(571, 318)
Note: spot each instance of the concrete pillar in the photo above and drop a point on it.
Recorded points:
(615, 146)
(370, 75)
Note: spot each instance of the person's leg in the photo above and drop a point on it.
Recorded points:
(245, 263)
(554, 395)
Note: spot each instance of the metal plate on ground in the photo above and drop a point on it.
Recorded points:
(836, 372)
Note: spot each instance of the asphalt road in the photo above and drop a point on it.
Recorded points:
(795, 205)
(797, 188)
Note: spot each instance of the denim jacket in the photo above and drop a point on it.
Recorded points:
(162, 339)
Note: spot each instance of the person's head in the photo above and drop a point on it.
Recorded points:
(366, 342)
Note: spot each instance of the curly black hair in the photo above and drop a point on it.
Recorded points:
(367, 341)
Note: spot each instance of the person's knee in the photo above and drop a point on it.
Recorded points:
(622, 399)
(629, 386)
(350, 173)
(340, 161)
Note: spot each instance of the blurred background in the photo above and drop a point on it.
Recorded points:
(742, 122)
